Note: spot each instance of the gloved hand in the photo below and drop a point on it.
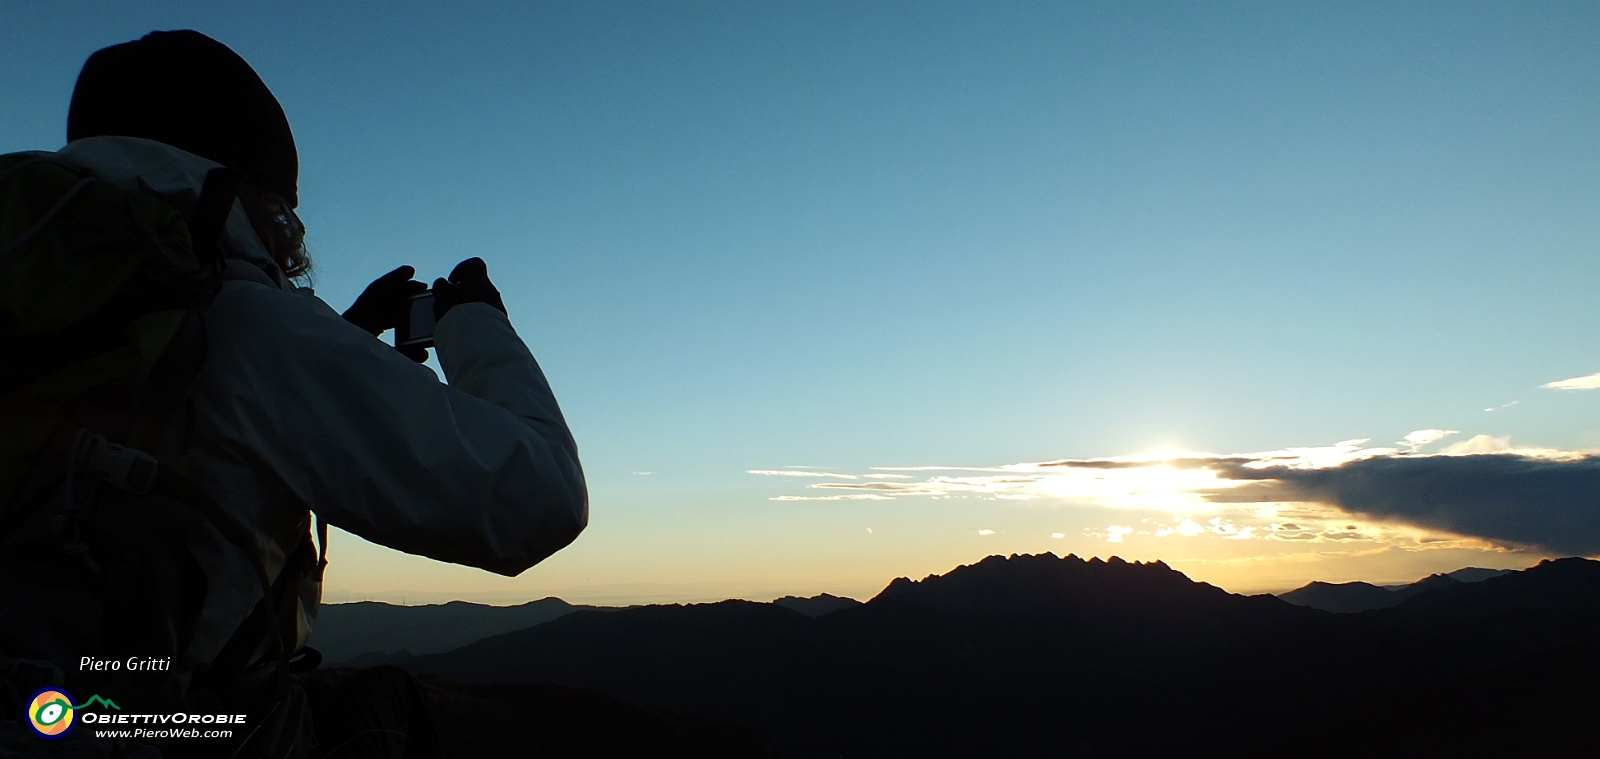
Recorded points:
(468, 283)
(386, 304)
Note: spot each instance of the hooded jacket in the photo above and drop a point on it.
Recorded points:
(297, 409)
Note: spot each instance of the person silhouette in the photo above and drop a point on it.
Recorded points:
(297, 410)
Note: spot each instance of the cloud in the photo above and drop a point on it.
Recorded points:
(1588, 382)
(985, 532)
(937, 469)
(1479, 489)
(1545, 502)
(866, 497)
(797, 471)
(1420, 438)
(1135, 463)
(1168, 482)
(794, 473)
(908, 487)
(1479, 444)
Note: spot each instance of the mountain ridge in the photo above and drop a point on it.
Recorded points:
(368, 633)
(344, 632)
(1033, 655)
(1351, 597)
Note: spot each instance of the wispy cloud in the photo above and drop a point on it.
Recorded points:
(801, 473)
(798, 471)
(1349, 492)
(864, 497)
(1416, 440)
(937, 469)
(1166, 482)
(1588, 382)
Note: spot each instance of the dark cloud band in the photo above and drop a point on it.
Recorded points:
(1549, 504)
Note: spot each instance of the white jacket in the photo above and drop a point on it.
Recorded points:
(297, 408)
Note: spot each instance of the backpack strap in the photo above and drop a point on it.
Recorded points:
(209, 217)
(140, 473)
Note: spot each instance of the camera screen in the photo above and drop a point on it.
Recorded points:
(418, 329)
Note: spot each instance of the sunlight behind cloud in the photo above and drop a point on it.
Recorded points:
(1302, 495)
(1171, 481)
(1479, 444)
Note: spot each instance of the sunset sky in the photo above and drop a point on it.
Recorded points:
(835, 292)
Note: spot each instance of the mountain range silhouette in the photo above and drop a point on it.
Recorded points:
(1348, 597)
(364, 631)
(1046, 656)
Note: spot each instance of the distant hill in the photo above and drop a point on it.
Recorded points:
(1476, 574)
(369, 633)
(816, 606)
(343, 632)
(1351, 597)
(1047, 656)
(1342, 598)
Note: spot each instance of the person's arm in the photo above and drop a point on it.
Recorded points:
(481, 472)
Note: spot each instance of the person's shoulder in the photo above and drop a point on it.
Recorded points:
(255, 306)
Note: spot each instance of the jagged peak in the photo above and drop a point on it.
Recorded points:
(1049, 582)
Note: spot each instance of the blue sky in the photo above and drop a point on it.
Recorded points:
(749, 236)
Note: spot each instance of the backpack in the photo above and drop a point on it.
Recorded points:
(100, 341)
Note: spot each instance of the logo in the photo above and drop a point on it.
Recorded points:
(50, 711)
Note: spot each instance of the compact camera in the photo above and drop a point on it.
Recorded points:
(417, 331)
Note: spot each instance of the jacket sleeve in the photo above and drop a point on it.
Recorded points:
(481, 471)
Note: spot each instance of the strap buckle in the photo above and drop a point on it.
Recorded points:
(125, 468)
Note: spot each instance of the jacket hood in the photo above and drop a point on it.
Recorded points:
(176, 176)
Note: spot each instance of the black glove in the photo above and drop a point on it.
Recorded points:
(468, 283)
(386, 304)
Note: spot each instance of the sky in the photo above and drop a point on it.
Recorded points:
(836, 292)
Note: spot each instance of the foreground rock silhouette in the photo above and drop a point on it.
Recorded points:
(1047, 656)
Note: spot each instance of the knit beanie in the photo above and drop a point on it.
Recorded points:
(191, 92)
